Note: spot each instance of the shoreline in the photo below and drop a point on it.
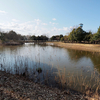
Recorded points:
(12, 43)
(16, 87)
(78, 46)
(19, 87)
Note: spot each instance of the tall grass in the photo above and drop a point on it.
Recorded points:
(78, 82)
(64, 80)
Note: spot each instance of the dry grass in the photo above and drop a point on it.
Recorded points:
(0, 42)
(78, 46)
(84, 84)
(74, 82)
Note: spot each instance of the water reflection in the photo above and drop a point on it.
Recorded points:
(77, 55)
(60, 67)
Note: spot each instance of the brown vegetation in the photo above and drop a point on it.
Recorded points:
(79, 46)
(15, 87)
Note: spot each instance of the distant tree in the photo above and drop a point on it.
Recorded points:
(20, 37)
(53, 38)
(64, 38)
(2, 36)
(88, 36)
(33, 37)
(12, 35)
(77, 34)
(56, 37)
(60, 36)
(96, 36)
(98, 32)
(42, 37)
(38, 38)
(72, 35)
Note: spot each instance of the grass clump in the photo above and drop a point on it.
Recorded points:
(39, 70)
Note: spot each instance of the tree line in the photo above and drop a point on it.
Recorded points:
(42, 37)
(76, 35)
(79, 35)
(11, 35)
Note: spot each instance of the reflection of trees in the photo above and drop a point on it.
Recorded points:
(95, 58)
(77, 55)
(11, 48)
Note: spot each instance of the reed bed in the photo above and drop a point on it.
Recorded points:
(24, 66)
(59, 79)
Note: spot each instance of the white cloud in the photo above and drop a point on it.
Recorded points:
(37, 21)
(15, 20)
(54, 19)
(69, 28)
(54, 29)
(59, 29)
(53, 23)
(44, 24)
(2, 12)
(65, 28)
(72, 27)
(35, 27)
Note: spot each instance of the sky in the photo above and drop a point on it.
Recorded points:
(48, 17)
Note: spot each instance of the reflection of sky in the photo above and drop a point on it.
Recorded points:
(53, 56)
(58, 61)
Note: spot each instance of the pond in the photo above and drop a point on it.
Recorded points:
(60, 67)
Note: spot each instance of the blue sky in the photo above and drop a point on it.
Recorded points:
(48, 17)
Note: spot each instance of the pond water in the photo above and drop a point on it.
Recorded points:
(63, 68)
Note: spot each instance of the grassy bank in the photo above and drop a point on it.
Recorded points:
(11, 43)
(15, 87)
(79, 46)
